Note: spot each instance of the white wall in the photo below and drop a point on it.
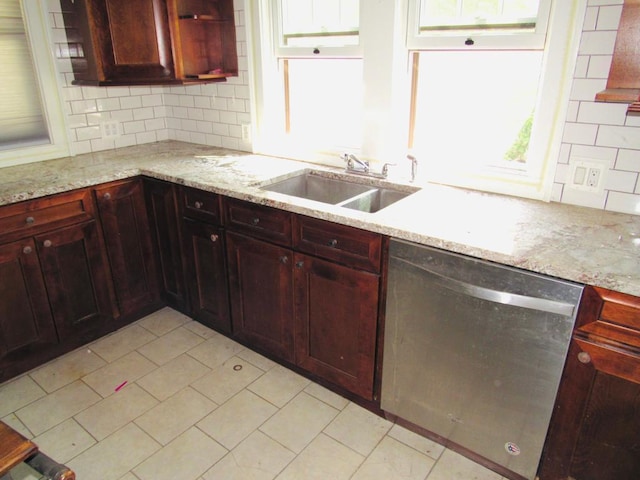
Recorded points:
(212, 114)
(600, 130)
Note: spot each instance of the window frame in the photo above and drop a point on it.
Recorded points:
(385, 39)
(39, 34)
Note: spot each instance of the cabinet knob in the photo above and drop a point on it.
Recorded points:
(198, 205)
(47, 243)
(299, 264)
(30, 220)
(584, 357)
(214, 237)
(27, 250)
(107, 196)
(332, 243)
(255, 221)
(284, 259)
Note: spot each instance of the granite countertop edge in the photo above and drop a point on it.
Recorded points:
(578, 244)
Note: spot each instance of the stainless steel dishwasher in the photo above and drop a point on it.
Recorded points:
(474, 351)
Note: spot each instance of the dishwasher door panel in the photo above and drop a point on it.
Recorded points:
(469, 363)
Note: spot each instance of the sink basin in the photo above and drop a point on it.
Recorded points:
(315, 187)
(365, 195)
(375, 200)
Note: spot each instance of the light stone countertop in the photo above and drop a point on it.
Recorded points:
(574, 243)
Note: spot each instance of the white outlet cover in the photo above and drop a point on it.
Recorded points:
(587, 174)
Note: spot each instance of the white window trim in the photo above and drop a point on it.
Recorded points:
(39, 34)
(388, 90)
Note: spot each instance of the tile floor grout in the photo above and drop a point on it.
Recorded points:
(198, 406)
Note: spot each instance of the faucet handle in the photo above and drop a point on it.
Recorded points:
(385, 168)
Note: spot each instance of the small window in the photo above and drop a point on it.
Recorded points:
(31, 120)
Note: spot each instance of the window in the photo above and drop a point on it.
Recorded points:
(31, 120)
(477, 90)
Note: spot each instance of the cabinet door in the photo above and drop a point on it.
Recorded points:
(261, 294)
(119, 41)
(26, 323)
(126, 234)
(336, 315)
(167, 241)
(207, 274)
(75, 273)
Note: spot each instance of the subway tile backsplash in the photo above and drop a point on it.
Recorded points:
(213, 114)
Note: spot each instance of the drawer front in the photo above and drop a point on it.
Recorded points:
(258, 221)
(201, 205)
(35, 216)
(347, 245)
(620, 309)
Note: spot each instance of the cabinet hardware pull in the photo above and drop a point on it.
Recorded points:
(214, 237)
(30, 220)
(332, 243)
(300, 264)
(584, 357)
(284, 259)
(27, 250)
(198, 205)
(256, 221)
(47, 243)
(107, 196)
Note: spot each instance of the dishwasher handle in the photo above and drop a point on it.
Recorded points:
(496, 296)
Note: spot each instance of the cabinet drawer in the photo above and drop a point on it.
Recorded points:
(347, 245)
(258, 221)
(620, 309)
(35, 216)
(201, 205)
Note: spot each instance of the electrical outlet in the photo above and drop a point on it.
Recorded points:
(246, 132)
(110, 129)
(587, 174)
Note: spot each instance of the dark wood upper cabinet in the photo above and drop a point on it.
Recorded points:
(123, 42)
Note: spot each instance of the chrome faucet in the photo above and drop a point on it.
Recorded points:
(354, 164)
(414, 166)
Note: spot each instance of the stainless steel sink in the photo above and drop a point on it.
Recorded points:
(375, 200)
(364, 194)
(315, 187)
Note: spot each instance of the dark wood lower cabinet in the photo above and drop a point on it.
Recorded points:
(261, 294)
(77, 281)
(207, 274)
(336, 314)
(165, 223)
(127, 237)
(26, 321)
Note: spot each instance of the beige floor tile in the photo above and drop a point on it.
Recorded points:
(173, 376)
(453, 466)
(257, 457)
(323, 459)
(358, 428)
(14, 422)
(216, 350)
(67, 369)
(129, 476)
(175, 415)
(24, 472)
(129, 368)
(392, 459)
(232, 422)
(200, 329)
(299, 422)
(115, 411)
(163, 321)
(115, 456)
(18, 393)
(122, 342)
(418, 442)
(65, 441)
(171, 345)
(254, 358)
(279, 385)
(185, 458)
(227, 379)
(57, 407)
(327, 396)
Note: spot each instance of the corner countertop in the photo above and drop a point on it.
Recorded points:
(579, 244)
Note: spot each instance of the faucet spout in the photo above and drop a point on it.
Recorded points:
(354, 164)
